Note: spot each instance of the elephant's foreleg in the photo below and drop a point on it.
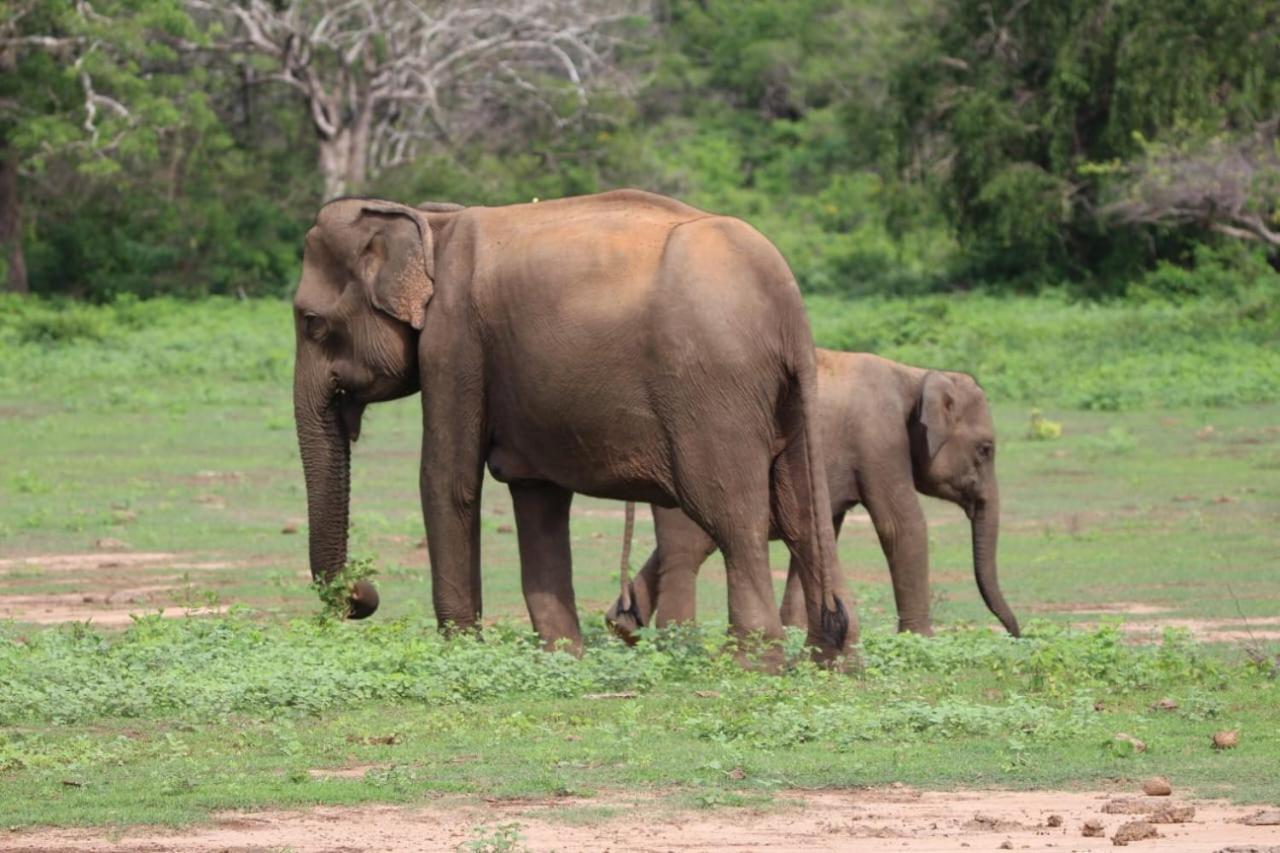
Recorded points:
(546, 562)
(904, 537)
(451, 478)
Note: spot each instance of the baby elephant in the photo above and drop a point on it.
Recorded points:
(888, 431)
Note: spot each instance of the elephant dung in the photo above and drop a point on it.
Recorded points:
(1226, 739)
(1093, 828)
(1134, 830)
(1157, 786)
(1158, 809)
(1265, 817)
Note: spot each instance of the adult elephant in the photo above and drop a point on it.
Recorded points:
(888, 431)
(622, 345)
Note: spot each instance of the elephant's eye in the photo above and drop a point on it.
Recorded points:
(315, 326)
(986, 450)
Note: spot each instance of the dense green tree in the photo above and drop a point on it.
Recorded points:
(1023, 112)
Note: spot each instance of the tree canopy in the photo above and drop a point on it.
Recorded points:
(182, 146)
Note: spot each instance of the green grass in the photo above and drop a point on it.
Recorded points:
(172, 719)
(168, 426)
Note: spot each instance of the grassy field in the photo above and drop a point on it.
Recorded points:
(149, 462)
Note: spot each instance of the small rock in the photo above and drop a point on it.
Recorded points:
(1173, 813)
(737, 773)
(289, 528)
(1099, 706)
(108, 544)
(1054, 820)
(88, 599)
(1134, 830)
(1165, 704)
(505, 528)
(1093, 828)
(1157, 786)
(1266, 817)
(1006, 845)
(1226, 739)
(124, 516)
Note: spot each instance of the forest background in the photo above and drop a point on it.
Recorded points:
(1098, 148)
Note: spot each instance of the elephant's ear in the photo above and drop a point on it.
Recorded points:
(397, 264)
(937, 412)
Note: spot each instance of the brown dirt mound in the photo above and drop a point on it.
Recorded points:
(823, 820)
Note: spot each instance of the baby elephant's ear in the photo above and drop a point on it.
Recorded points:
(397, 264)
(937, 409)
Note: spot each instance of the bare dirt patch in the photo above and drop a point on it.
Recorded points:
(1120, 608)
(106, 588)
(1261, 629)
(811, 820)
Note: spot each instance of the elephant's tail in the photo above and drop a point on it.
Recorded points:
(802, 515)
(626, 604)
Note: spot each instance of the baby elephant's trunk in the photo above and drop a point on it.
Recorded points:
(986, 532)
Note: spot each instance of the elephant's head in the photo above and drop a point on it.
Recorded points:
(367, 274)
(954, 458)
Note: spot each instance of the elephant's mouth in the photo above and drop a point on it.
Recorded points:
(350, 414)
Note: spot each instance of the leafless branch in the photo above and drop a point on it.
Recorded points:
(405, 72)
(1229, 186)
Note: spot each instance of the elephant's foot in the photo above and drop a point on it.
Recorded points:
(923, 627)
(759, 653)
(625, 624)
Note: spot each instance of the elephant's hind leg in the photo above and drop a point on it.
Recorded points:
(546, 562)
(794, 612)
(726, 492)
(801, 517)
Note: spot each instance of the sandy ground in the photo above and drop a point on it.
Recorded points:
(895, 819)
(111, 585)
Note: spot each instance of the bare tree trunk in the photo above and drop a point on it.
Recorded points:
(334, 151)
(344, 156)
(11, 220)
(358, 148)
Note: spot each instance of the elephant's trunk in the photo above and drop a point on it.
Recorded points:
(325, 447)
(985, 519)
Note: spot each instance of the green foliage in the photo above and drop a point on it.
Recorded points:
(1042, 350)
(1047, 350)
(888, 148)
(1041, 428)
(503, 838)
(1027, 111)
(204, 669)
(335, 592)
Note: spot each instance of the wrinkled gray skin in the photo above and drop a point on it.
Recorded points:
(622, 345)
(888, 431)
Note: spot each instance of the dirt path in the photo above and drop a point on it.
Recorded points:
(106, 586)
(882, 819)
